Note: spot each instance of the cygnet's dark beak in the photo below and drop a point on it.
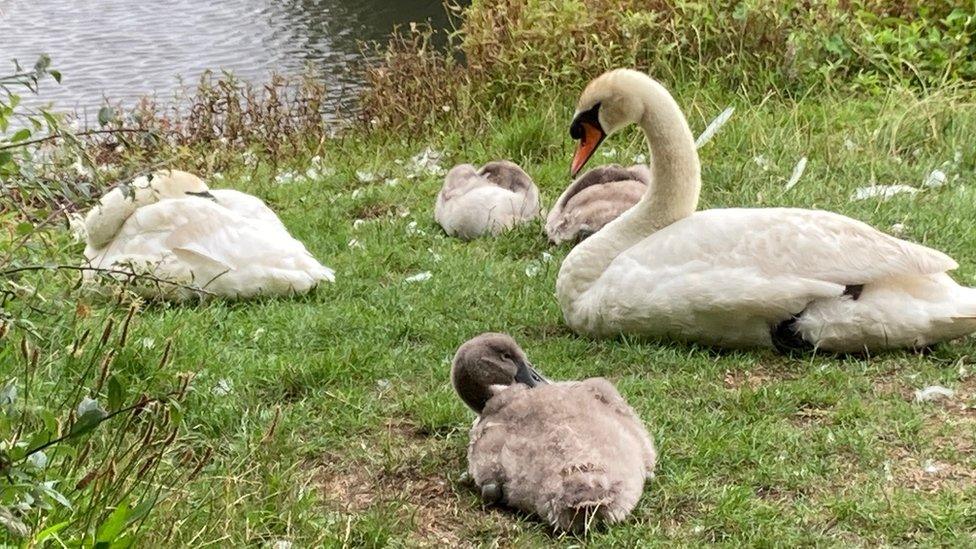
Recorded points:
(527, 375)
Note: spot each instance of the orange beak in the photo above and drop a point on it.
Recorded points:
(592, 137)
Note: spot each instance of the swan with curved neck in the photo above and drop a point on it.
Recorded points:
(105, 219)
(171, 226)
(784, 277)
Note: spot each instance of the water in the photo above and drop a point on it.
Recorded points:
(125, 49)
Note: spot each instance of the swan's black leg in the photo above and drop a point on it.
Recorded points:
(854, 290)
(787, 339)
(491, 492)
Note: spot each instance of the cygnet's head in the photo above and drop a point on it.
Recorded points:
(507, 174)
(487, 364)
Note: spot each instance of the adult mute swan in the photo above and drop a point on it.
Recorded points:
(784, 277)
(475, 202)
(598, 197)
(225, 242)
(572, 452)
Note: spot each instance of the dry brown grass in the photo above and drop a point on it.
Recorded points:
(425, 499)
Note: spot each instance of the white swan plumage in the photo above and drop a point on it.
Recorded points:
(172, 226)
(784, 277)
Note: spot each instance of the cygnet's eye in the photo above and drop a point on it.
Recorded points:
(506, 356)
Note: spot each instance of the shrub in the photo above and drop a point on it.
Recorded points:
(85, 454)
(515, 50)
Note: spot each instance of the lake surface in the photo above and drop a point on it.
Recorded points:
(126, 49)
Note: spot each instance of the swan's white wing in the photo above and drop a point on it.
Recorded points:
(144, 233)
(777, 242)
(245, 205)
(724, 276)
(234, 256)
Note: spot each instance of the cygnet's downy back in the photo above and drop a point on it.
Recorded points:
(573, 453)
(596, 198)
(477, 202)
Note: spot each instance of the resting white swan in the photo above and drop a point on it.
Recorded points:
(489, 200)
(171, 226)
(783, 277)
(598, 197)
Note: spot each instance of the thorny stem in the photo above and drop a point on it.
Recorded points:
(131, 274)
(68, 136)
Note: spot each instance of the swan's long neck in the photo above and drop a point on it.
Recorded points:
(671, 196)
(106, 218)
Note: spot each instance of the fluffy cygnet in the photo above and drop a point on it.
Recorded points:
(476, 202)
(596, 198)
(573, 453)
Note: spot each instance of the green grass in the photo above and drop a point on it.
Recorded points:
(369, 439)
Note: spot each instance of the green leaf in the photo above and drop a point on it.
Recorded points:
(56, 75)
(6, 157)
(24, 228)
(141, 510)
(90, 413)
(50, 531)
(40, 438)
(52, 121)
(49, 491)
(109, 530)
(50, 422)
(8, 395)
(106, 115)
(175, 413)
(114, 393)
(21, 135)
(123, 542)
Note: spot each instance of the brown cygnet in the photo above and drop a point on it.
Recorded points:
(573, 453)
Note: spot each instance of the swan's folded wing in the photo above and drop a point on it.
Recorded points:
(246, 206)
(145, 232)
(246, 256)
(781, 242)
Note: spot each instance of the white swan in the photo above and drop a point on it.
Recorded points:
(488, 200)
(598, 197)
(738, 277)
(171, 226)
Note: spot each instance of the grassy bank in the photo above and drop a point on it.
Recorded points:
(329, 419)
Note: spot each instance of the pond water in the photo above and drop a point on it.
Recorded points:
(125, 49)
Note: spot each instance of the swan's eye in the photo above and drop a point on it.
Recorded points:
(591, 116)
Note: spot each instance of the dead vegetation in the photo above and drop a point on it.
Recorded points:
(427, 500)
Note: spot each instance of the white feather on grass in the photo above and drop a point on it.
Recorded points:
(933, 392)
(884, 192)
(935, 179)
(798, 170)
(419, 277)
(714, 127)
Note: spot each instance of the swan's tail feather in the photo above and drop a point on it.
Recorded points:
(899, 313)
